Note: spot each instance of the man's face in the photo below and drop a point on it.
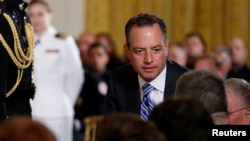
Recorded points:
(206, 64)
(84, 41)
(178, 55)
(148, 51)
(238, 51)
(98, 59)
(225, 61)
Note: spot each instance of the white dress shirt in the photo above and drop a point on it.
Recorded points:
(157, 95)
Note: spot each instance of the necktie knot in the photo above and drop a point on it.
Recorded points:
(147, 89)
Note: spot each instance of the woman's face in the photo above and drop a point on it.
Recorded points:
(40, 17)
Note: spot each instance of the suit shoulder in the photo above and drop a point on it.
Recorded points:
(123, 70)
(61, 36)
(177, 67)
(124, 73)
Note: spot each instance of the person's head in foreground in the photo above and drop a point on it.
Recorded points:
(183, 119)
(127, 127)
(238, 97)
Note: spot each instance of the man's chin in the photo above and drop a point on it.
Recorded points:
(148, 77)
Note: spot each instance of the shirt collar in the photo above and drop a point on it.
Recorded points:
(50, 31)
(158, 83)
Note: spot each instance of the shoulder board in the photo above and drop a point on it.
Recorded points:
(61, 36)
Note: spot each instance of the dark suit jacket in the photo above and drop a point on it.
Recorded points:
(124, 92)
(242, 72)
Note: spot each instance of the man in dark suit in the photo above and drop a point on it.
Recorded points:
(146, 47)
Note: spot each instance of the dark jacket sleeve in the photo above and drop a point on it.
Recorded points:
(111, 105)
(3, 70)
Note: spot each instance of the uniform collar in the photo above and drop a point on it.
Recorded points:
(50, 31)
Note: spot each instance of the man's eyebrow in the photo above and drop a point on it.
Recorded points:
(137, 47)
(159, 45)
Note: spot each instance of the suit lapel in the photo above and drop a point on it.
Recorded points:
(133, 93)
(170, 80)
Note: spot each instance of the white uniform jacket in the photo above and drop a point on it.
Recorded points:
(58, 75)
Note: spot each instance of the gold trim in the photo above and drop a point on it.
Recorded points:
(20, 59)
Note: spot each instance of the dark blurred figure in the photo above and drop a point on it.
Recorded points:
(107, 41)
(209, 89)
(16, 59)
(196, 46)
(92, 99)
(24, 129)
(177, 53)
(238, 97)
(83, 41)
(128, 127)
(182, 120)
(224, 55)
(239, 65)
(208, 62)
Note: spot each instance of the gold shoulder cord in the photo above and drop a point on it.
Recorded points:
(20, 59)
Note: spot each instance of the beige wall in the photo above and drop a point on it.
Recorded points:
(69, 16)
(216, 20)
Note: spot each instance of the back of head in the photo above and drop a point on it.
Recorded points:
(182, 119)
(204, 86)
(238, 95)
(24, 129)
(127, 127)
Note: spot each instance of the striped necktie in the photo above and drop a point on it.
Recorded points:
(147, 104)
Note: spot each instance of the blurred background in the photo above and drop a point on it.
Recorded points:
(216, 20)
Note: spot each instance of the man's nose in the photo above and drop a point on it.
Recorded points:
(148, 58)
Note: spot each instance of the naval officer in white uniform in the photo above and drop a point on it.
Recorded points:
(58, 73)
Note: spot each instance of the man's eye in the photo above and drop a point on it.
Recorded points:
(138, 50)
(157, 49)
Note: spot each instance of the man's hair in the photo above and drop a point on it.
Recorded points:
(178, 45)
(127, 127)
(183, 119)
(222, 48)
(204, 86)
(199, 36)
(239, 87)
(211, 56)
(142, 20)
(97, 45)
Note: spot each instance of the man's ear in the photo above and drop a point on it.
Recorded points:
(247, 113)
(127, 50)
(166, 46)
